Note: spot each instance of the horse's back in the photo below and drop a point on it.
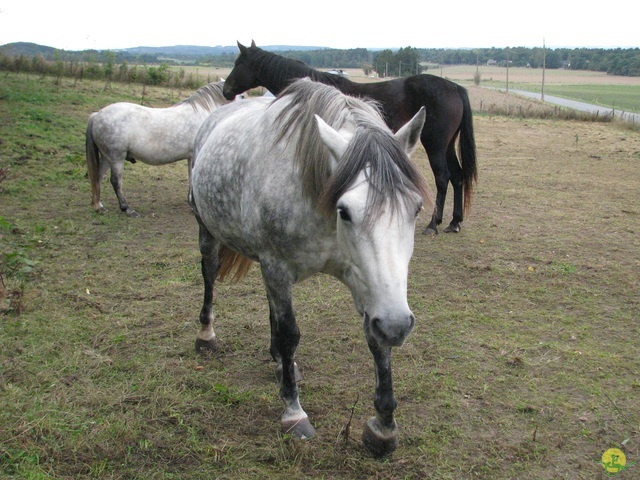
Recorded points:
(152, 135)
(240, 114)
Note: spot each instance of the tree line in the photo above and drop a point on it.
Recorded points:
(104, 66)
(619, 61)
(154, 69)
(409, 61)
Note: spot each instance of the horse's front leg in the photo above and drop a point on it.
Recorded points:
(285, 336)
(206, 339)
(380, 434)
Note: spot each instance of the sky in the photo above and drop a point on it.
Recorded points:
(344, 24)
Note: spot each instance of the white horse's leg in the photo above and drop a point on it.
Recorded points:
(117, 169)
(380, 434)
(189, 168)
(103, 166)
(285, 336)
(206, 339)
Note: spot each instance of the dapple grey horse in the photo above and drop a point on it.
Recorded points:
(312, 182)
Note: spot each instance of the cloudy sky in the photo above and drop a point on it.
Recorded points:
(114, 24)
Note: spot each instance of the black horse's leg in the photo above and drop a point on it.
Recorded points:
(441, 174)
(206, 338)
(456, 181)
(117, 169)
(380, 434)
(285, 337)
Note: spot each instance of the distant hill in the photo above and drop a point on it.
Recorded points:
(199, 51)
(26, 49)
(32, 49)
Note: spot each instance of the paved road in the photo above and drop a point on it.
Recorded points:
(584, 107)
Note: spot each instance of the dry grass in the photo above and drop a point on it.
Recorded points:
(523, 363)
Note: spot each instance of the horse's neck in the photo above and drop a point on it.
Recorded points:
(275, 76)
(277, 72)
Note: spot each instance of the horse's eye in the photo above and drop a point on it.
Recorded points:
(344, 214)
(419, 209)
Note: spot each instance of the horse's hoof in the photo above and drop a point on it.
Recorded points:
(132, 213)
(206, 346)
(432, 232)
(378, 440)
(296, 370)
(452, 228)
(300, 429)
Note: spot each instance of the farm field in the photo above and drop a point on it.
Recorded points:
(523, 363)
(622, 93)
(598, 88)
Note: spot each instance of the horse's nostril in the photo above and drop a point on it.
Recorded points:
(375, 327)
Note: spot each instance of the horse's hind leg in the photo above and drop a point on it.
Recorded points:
(438, 163)
(117, 169)
(97, 187)
(285, 336)
(455, 172)
(206, 341)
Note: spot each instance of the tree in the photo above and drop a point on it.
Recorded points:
(408, 62)
(383, 62)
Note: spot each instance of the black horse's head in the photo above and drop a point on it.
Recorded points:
(242, 76)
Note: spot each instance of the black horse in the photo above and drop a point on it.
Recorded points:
(447, 106)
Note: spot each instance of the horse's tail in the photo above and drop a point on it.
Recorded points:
(231, 260)
(93, 165)
(467, 149)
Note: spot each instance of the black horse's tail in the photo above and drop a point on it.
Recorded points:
(467, 148)
(93, 165)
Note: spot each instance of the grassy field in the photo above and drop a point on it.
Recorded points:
(620, 97)
(523, 364)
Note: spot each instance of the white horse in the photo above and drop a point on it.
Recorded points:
(156, 136)
(313, 181)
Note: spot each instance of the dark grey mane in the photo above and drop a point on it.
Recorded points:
(389, 170)
(208, 97)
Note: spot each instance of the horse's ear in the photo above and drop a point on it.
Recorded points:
(242, 48)
(409, 134)
(253, 43)
(332, 140)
